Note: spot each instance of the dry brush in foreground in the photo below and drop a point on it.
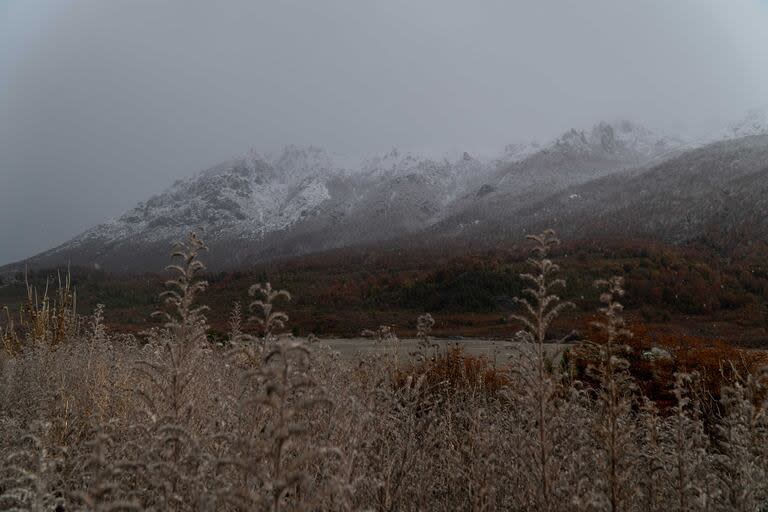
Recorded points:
(168, 421)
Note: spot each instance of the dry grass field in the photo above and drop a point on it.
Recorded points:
(497, 352)
(172, 419)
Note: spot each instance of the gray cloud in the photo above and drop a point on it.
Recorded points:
(106, 102)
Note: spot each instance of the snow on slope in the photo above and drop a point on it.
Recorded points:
(244, 198)
(302, 197)
(755, 122)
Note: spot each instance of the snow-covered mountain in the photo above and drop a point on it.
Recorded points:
(717, 193)
(576, 157)
(713, 190)
(755, 122)
(300, 200)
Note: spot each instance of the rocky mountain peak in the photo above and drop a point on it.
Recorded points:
(295, 162)
(604, 135)
(623, 139)
(301, 199)
(518, 151)
(755, 122)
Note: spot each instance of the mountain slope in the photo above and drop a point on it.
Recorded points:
(574, 158)
(301, 201)
(718, 193)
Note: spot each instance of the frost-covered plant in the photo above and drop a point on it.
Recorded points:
(28, 475)
(263, 309)
(687, 466)
(184, 319)
(614, 428)
(395, 455)
(101, 476)
(283, 399)
(169, 383)
(540, 305)
(268, 319)
(742, 442)
(171, 376)
(235, 323)
(651, 461)
(538, 390)
(98, 329)
(387, 338)
(424, 343)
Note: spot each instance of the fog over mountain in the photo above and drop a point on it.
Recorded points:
(105, 104)
(301, 200)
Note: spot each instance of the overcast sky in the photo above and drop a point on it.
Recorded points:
(106, 102)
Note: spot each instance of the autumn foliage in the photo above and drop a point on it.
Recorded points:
(455, 372)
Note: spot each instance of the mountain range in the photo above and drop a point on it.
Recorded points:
(615, 179)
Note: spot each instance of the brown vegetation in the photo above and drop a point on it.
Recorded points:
(252, 419)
